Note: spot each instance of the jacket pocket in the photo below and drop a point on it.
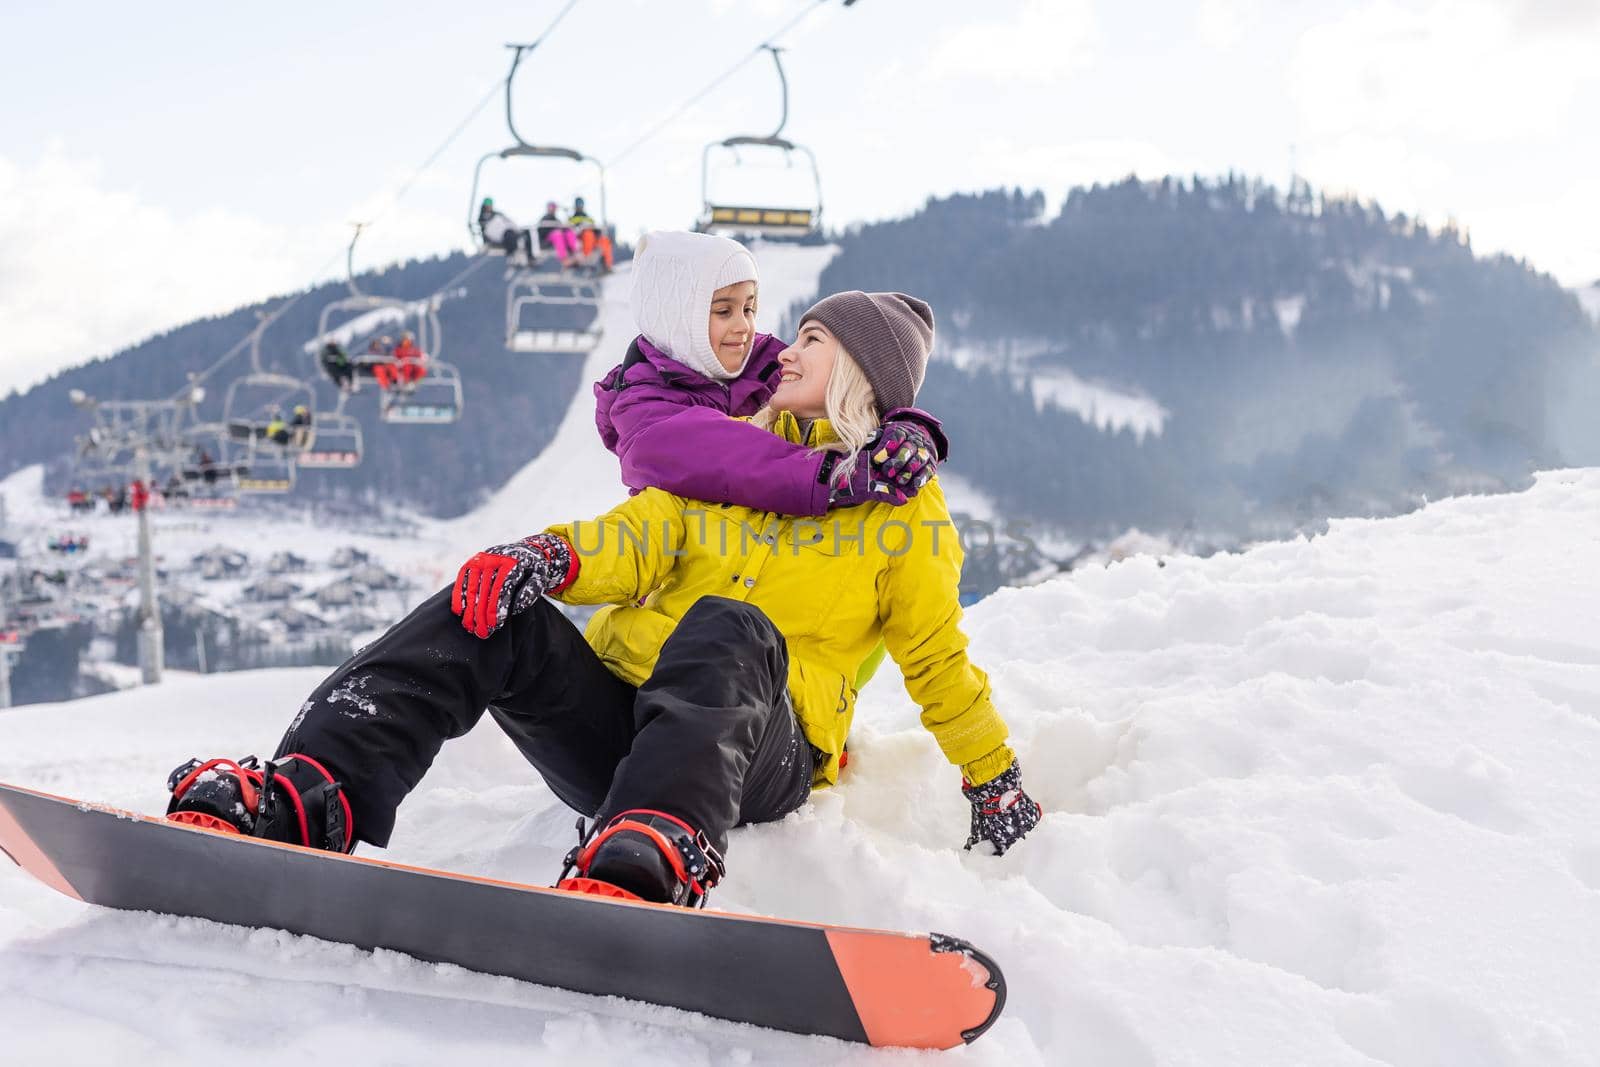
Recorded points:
(825, 704)
(628, 640)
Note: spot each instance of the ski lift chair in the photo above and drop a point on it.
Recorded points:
(530, 291)
(768, 222)
(372, 317)
(759, 220)
(260, 467)
(337, 445)
(432, 400)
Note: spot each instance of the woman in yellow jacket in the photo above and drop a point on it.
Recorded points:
(717, 686)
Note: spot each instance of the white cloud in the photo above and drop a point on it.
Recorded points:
(1221, 24)
(1460, 69)
(1467, 109)
(1045, 41)
(1547, 230)
(86, 269)
(1394, 170)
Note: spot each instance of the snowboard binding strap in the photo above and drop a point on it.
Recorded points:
(693, 860)
(257, 784)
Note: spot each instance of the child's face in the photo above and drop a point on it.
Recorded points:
(733, 323)
(807, 366)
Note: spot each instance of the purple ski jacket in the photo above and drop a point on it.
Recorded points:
(670, 428)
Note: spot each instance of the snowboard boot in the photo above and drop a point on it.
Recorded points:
(303, 805)
(644, 855)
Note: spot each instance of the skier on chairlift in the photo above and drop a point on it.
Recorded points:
(405, 368)
(592, 237)
(557, 236)
(277, 428)
(300, 425)
(498, 230)
(409, 359)
(336, 364)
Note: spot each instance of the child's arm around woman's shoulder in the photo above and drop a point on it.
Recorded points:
(672, 429)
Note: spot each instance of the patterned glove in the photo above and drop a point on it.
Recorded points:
(899, 459)
(1001, 812)
(905, 455)
(501, 581)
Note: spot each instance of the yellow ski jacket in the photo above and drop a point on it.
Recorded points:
(834, 587)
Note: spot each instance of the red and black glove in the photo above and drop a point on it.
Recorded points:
(1001, 812)
(501, 581)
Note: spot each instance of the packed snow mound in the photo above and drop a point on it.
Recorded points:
(1328, 801)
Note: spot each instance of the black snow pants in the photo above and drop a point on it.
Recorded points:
(710, 736)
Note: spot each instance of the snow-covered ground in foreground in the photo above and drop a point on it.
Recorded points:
(1322, 802)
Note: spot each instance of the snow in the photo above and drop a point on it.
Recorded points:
(1326, 802)
(1288, 310)
(1101, 406)
(368, 322)
(1589, 297)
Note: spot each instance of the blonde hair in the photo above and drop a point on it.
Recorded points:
(852, 412)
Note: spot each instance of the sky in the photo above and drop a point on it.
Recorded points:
(174, 160)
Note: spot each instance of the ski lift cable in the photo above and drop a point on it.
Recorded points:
(404, 188)
(244, 343)
(494, 90)
(765, 44)
(477, 109)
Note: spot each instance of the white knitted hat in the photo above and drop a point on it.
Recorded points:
(674, 275)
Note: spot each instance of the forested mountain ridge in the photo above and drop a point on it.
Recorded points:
(512, 402)
(1306, 357)
(1313, 356)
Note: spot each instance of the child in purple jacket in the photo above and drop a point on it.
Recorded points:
(665, 411)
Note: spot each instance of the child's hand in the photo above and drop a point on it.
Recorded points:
(898, 460)
(904, 456)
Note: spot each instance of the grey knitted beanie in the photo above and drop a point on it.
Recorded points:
(889, 334)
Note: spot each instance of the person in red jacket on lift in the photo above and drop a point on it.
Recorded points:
(407, 367)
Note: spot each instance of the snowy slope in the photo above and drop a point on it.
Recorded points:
(1322, 802)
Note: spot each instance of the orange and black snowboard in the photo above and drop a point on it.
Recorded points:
(872, 986)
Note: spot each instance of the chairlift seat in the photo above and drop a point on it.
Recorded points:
(578, 342)
(330, 459)
(251, 483)
(761, 221)
(404, 410)
(432, 400)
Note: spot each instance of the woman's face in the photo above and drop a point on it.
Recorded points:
(807, 366)
(733, 324)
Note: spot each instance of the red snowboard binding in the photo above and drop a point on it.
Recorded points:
(294, 800)
(644, 855)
